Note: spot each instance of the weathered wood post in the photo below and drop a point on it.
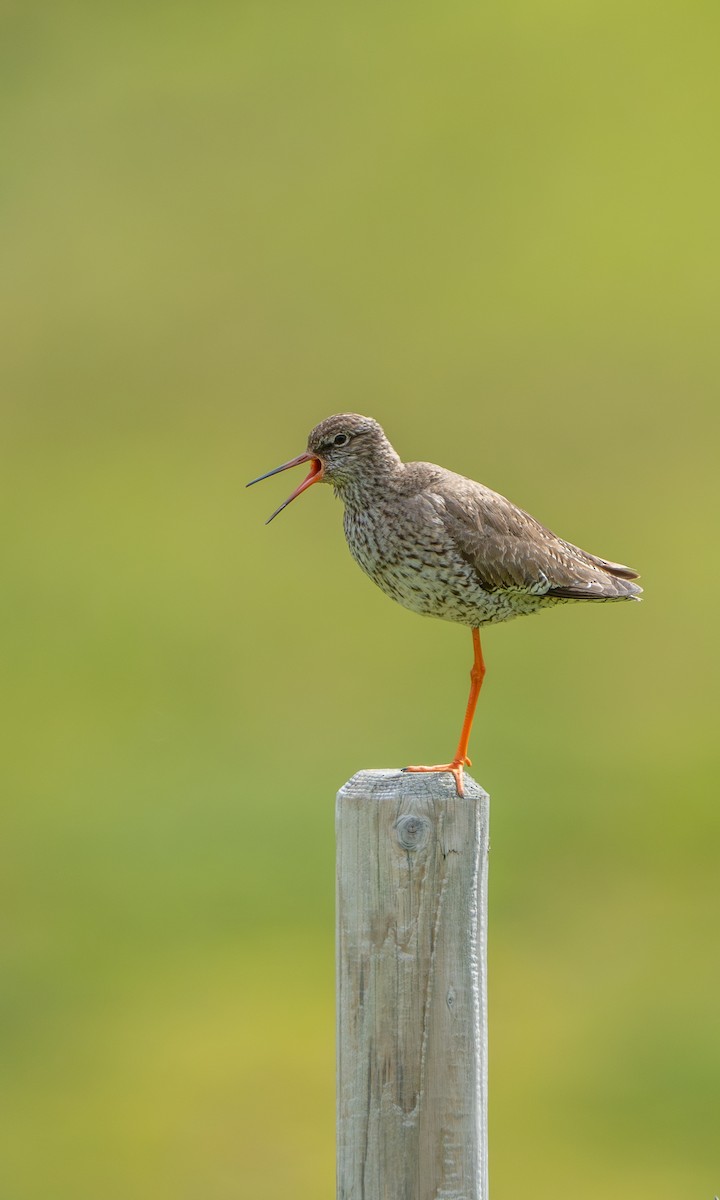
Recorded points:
(411, 988)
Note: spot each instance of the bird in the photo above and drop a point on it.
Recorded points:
(444, 546)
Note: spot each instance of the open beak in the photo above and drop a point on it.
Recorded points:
(314, 475)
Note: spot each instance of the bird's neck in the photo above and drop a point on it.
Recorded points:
(360, 490)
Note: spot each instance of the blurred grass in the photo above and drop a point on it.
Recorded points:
(495, 231)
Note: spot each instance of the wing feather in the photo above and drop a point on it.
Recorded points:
(510, 549)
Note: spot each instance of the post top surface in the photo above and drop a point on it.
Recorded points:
(393, 782)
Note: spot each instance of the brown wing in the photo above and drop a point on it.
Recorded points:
(510, 549)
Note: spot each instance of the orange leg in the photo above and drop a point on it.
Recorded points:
(461, 759)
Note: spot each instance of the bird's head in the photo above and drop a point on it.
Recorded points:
(343, 450)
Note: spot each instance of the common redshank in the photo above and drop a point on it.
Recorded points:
(445, 546)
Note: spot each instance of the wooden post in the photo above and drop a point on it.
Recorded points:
(411, 988)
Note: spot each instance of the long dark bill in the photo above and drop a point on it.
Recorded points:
(314, 475)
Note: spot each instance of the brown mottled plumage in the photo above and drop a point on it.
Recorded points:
(445, 546)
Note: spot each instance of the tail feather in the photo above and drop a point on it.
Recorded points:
(613, 568)
(611, 588)
(597, 579)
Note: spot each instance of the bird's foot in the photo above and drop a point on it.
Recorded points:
(456, 768)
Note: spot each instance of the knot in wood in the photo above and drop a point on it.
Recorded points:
(412, 831)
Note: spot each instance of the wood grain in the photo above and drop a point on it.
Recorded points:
(411, 988)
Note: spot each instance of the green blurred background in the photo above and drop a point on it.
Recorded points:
(495, 229)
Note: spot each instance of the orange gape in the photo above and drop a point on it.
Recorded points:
(461, 760)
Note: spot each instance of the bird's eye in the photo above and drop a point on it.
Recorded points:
(341, 439)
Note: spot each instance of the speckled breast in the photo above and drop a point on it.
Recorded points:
(420, 568)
